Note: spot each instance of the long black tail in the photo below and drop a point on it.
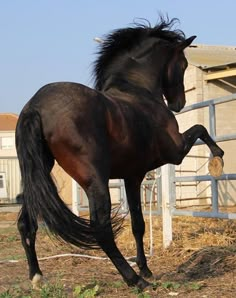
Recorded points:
(39, 191)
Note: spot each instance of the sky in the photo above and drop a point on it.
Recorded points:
(46, 41)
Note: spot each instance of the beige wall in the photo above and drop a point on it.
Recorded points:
(64, 184)
(4, 152)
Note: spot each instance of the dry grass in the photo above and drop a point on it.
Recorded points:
(201, 261)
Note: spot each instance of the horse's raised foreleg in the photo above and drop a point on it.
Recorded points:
(28, 231)
(138, 225)
(100, 209)
(198, 131)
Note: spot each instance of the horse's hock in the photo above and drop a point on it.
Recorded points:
(215, 166)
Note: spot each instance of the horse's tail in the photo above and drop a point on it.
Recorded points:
(40, 196)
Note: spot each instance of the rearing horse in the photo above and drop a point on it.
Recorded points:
(121, 129)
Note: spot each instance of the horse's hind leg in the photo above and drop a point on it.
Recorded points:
(132, 187)
(100, 209)
(28, 231)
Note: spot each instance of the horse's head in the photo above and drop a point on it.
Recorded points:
(173, 77)
(145, 58)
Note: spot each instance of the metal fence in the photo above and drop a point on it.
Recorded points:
(169, 178)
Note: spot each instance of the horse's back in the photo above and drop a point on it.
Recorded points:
(59, 95)
(63, 103)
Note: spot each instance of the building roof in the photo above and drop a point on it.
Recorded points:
(218, 62)
(208, 56)
(8, 121)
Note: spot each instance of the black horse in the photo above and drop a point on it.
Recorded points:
(121, 129)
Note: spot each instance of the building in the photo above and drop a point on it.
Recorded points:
(9, 168)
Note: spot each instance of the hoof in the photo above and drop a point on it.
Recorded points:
(142, 284)
(215, 166)
(37, 281)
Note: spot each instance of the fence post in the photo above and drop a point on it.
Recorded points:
(75, 201)
(167, 172)
(212, 121)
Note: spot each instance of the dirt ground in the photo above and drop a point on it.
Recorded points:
(201, 262)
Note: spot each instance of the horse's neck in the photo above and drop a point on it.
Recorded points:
(114, 93)
(134, 94)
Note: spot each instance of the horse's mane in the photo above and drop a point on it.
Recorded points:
(121, 41)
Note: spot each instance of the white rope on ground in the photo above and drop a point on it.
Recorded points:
(70, 255)
(8, 261)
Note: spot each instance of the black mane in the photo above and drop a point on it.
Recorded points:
(121, 41)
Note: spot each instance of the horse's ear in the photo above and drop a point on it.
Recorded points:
(184, 44)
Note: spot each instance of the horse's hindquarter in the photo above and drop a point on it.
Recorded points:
(74, 127)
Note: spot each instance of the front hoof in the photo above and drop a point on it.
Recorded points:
(215, 166)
